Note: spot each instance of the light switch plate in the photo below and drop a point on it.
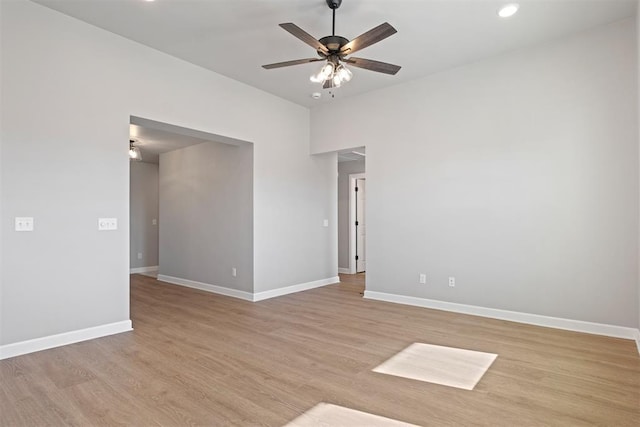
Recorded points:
(107, 224)
(24, 223)
(325, 223)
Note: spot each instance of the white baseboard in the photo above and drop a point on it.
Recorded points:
(259, 296)
(58, 340)
(638, 340)
(344, 270)
(138, 270)
(513, 316)
(247, 296)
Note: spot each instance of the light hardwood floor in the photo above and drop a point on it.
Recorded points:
(196, 358)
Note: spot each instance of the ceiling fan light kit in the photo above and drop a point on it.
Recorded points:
(335, 51)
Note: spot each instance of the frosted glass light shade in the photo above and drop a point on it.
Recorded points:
(134, 153)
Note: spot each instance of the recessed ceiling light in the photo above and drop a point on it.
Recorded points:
(316, 95)
(508, 10)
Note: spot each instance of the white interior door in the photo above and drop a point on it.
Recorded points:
(360, 226)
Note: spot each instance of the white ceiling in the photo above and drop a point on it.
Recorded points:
(352, 154)
(236, 37)
(153, 142)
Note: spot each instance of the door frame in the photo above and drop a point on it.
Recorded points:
(352, 219)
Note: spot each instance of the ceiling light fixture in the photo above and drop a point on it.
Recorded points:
(332, 74)
(134, 152)
(508, 10)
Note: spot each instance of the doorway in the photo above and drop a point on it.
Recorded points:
(357, 223)
(351, 166)
(202, 214)
(147, 142)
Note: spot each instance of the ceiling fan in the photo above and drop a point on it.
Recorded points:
(335, 51)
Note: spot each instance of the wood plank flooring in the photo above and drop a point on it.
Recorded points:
(196, 358)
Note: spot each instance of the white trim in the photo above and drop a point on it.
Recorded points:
(638, 340)
(247, 296)
(352, 220)
(344, 270)
(66, 338)
(259, 296)
(138, 270)
(513, 316)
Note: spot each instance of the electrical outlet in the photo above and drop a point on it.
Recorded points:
(423, 278)
(24, 223)
(107, 224)
(139, 255)
(452, 281)
(234, 271)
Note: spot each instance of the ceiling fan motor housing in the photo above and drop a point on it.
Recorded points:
(334, 4)
(333, 43)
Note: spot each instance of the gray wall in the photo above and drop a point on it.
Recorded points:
(2, 217)
(206, 208)
(64, 138)
(518, 175)
(344, 170)
(143, 209)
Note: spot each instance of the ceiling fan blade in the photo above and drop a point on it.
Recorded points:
(290, 63)
(372, 36)
(305, 37)
(370, 64)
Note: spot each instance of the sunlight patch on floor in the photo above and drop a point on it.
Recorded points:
(453, 367)
(326, 414)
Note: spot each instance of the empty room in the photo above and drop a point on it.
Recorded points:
(395, 212)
